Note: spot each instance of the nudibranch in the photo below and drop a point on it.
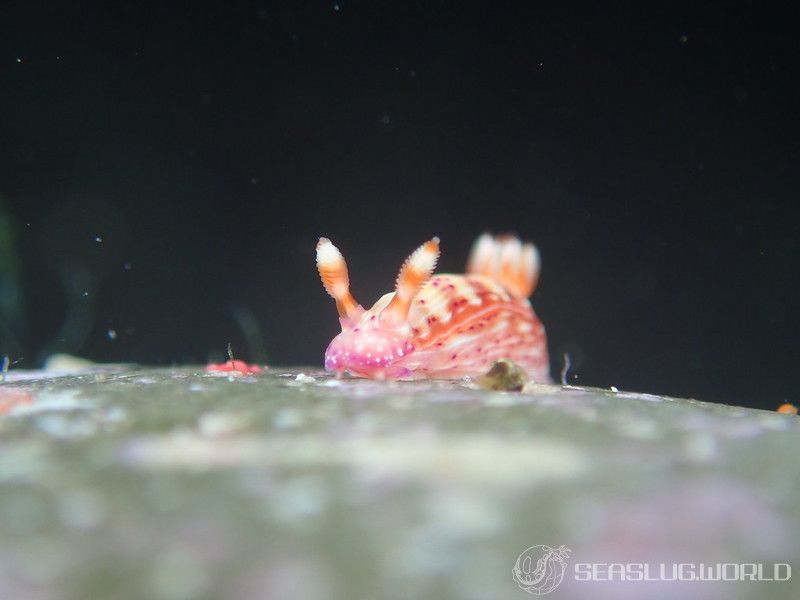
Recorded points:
(443, 325)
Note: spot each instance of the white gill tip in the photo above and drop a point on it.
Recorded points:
(532, 255)
(484, 240)
(510, 250)
(491, 251)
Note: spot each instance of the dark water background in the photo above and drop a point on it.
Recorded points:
(166, 169)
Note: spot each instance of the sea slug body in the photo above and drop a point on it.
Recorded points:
(443, 325)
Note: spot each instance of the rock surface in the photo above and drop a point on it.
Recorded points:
(178, 484)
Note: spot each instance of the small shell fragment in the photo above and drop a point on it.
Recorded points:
(504, 375)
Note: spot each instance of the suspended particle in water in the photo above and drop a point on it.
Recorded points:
(112, 334)
(98, 239)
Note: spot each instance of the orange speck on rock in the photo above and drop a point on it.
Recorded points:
(234, 366)
(787, 409)
(11, 398)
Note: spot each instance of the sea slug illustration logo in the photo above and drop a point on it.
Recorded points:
(540, 569)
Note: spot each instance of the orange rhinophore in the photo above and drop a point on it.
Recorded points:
(333, 271)
(444, 325)
(787, 409)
